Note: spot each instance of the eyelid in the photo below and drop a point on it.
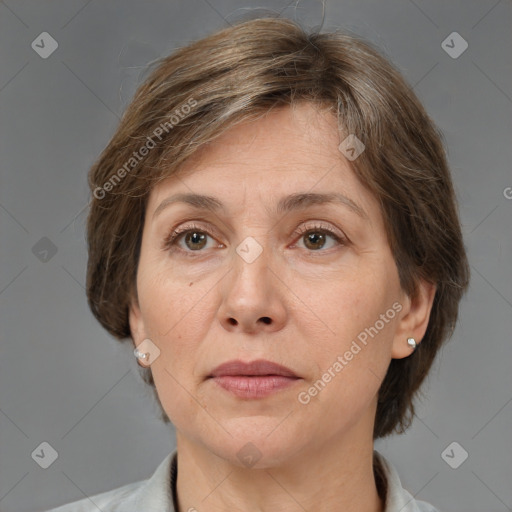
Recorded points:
(321, 226)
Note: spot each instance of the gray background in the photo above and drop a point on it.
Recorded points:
(64, 381)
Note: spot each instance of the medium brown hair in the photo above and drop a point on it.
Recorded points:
(238, 74)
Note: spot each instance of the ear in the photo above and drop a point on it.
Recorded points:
(414, 319)
(136, 321)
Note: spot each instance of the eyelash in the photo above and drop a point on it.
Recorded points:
(170, 242)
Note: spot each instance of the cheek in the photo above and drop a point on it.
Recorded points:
(358, 325)
(353, 302)
(177, 317)
(170, 303)
(175, 320)
(349, 366)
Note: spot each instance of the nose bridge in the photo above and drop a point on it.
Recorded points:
(249, 296)
(250, 266)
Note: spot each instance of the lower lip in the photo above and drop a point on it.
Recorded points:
(254, 387)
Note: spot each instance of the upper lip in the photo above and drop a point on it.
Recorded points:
(259, 367)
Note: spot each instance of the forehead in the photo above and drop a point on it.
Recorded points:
(290, 149)
(284, 137)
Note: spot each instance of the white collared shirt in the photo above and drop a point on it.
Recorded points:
(156, 493)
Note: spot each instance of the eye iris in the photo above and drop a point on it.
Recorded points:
(196, 238)
(315, 237)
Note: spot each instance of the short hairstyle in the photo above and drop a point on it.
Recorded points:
(238, 74)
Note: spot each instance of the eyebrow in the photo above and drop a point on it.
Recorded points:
(286, 204)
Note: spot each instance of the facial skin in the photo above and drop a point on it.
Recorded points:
(202, 304)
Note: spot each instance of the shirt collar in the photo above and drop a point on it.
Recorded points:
(397, 499)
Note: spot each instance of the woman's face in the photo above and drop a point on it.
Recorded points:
(307, 284)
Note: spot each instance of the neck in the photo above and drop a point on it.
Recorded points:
(336, 475)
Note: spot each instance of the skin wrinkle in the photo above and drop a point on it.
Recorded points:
(320, 457)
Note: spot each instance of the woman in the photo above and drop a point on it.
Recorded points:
(274, 227)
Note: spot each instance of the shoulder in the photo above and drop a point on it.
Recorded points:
(152, 494)
(105, 501)
(398, 499)
(423, 506)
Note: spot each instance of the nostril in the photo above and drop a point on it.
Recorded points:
(232, 321)
(266, 319)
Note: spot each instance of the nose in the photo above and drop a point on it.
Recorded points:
(252, 296)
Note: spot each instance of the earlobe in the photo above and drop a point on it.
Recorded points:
(414, 322)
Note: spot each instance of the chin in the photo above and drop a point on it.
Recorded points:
(256, 449)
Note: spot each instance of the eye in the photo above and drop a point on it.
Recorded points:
(194, 238)
(315, 236)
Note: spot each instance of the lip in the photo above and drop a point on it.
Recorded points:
(256, 379)
(260, 367)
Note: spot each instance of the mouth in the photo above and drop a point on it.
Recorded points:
(258, 368)
(256, 379)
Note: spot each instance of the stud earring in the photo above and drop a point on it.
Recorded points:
(140, 355)
(412, 343)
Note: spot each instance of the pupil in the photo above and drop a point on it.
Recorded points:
(196, 238)
(314, 238)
